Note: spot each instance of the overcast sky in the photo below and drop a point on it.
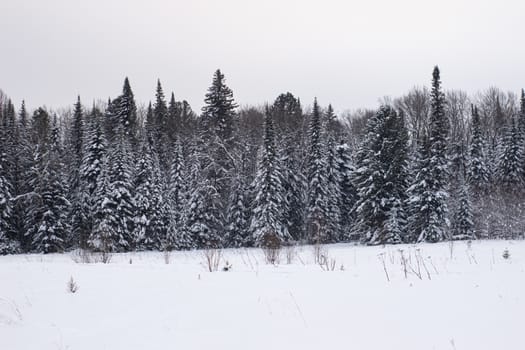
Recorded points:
(348, 53)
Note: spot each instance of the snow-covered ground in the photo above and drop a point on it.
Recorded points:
(470, 299)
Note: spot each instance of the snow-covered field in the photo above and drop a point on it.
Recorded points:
(471, 298)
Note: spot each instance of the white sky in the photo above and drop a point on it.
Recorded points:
(348, 53)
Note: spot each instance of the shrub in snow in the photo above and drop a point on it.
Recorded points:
(72, 286)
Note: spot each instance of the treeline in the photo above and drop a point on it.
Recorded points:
(426, 167)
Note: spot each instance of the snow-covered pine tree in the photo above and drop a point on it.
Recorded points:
(316, 175)
(160, 122)
(121, 192)
(204, 218)
(21, 178)
(103, 237)
(429, 190)
(380, 178)
(509, 172)
(94, 155)
(178, 185)
(7, 244)
(268, 224)
(333, 178)
(50, 207)
(347, 190)
(149, 125)
(219, 119)
(174, 118)
(148, 218)
(294, 187)
(521, 129)
(176, 182)
(462, 224)
(478, 174)
(77, 133)
(126, 111)
(289, 123)
(219, 109)
(237, 231)
(40, 127)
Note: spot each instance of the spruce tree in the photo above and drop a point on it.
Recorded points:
(121, 192)
(238, 228)
(103, 237)
(7, 244)
(77, 133)
(94, 156)
(429, 191)
(178, 237)
(347, 190)
(160, 120)
(478, 172)
(294, 187)
(219, 109)
(521, 129)
(50, 209)
(22, 176)
(316, 176)
(174, 124)
(333, 180)
(381, 179)
(127, 111)
(509, 173)
(268, 225)
(147, 221)
(40, 127)
(462, 225)
(204, 219)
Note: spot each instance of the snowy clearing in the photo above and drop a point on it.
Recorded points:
(470, 298)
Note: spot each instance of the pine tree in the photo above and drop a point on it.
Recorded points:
(21, 179)
(40, 127)
(94, 156)
(347, 190)
(521, 128)
(316, 176)
(23, 115)
(103, 237)
(160, 119)
(121, 192)
(381, 179)
(289, 123)
(77, 133)
(238, 227)
(462, 225)
(429, 190)
(178, 237)
(268, 225)
(333, 180)
(126, 111)
(160, 109)
(147, 222)
(174, 118)
(219, 122)
(294, 187)
(8, 165)
(219, 109)
(204, 219)
(509, 167)
(49, 233)
(95, 151)
(7, 245)
(478, 172)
